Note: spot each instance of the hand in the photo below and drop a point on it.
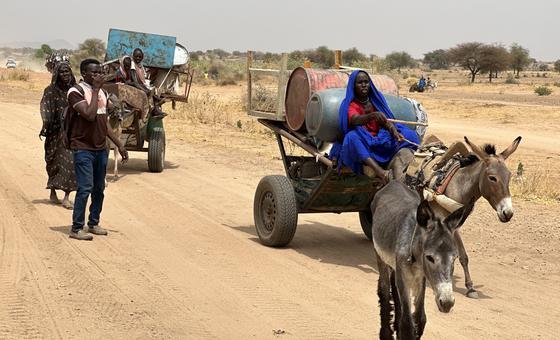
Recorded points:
(124, 154)
(400, 138)
(380, 118)
(98, 81)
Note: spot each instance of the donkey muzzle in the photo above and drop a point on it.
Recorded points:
(445, 299)
(505, 210)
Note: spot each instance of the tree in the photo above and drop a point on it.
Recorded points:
(323, 56)
(557, 65)
(352, 57)
(494, 59)
(398, 60)
(467, 55)
(45, 50)
(437, 60)
(90, 48)
(519, 58)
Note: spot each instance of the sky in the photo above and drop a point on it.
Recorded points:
(374, 27)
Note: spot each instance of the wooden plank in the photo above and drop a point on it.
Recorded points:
(282, 80)
(337, 59)
(265, 115)
(249, 89)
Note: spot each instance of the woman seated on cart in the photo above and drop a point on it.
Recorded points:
(139, 96)
(369, 138)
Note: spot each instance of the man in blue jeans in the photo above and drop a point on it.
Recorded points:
(87, 105)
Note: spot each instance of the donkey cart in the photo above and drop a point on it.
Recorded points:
(166, 61)
(306, 115)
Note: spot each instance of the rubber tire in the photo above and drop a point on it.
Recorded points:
(365, 222)
(278, 192)
(156, 150)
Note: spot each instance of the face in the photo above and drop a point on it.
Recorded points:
(439, 258)
(494, 187)
(138, 56)
(439, 251)
(127, 63)
(91, 71)
(361, 86)
(64, 74)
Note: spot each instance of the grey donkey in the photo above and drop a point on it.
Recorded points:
(412, 246)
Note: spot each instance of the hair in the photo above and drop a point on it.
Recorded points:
(139, 50)
(490, 149)
(84, 64)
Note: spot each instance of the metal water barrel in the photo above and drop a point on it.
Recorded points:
(304, 82)
(322, 113)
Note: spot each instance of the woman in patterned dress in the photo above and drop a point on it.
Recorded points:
(60, 164)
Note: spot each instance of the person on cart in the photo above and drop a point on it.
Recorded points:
(369, 138)
(140, 75)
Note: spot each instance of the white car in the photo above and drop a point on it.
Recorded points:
(11, 63)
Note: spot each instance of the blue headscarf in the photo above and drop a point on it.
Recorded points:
(360, 145)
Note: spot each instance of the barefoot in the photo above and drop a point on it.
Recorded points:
(54, 199)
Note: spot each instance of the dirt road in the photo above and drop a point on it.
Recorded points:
(182, 259)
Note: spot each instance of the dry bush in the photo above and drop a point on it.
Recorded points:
(538, 184)
(543, 91)
(16, 74)
(204, 108)
(264, 99)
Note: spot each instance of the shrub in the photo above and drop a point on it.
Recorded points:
(543, 91)
(557, 84)
(17, 74)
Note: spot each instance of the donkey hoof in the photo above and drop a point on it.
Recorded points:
(473, 294)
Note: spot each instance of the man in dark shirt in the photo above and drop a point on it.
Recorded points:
(88, 141)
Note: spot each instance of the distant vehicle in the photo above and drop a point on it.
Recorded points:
(11, 63)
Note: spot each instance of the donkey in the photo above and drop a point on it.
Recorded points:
(412, 245)
(485, 175)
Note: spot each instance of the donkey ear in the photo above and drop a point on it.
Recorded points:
(511, 149)
(477, 150)
(424, 213)
(459, 216)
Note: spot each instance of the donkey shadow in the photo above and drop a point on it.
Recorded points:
(328, 244)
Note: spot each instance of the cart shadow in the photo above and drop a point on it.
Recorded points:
(134, 167)
(328, 244)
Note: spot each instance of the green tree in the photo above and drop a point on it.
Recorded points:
(90, 48)
(352, 57)
(468, 56)
(44, 51)
(437, 60)
(557, 65)
(398, 60)
(494, 59)
(519, 58)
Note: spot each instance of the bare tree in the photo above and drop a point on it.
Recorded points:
(468, 56)
(519, 58)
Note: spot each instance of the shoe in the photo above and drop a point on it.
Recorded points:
(80, 235)
(97, 230)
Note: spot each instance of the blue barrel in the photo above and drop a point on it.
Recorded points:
(321, 118)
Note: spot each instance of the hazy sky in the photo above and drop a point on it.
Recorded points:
(377, 27)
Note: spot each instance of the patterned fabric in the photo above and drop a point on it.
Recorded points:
(59, 160)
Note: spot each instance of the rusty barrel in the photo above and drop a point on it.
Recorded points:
(304, 82)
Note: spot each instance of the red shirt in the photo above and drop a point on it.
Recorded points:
(356, 109)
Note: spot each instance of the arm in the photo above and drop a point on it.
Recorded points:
(86, 111)
(137, 83)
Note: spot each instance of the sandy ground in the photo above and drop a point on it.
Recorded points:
(182, 260)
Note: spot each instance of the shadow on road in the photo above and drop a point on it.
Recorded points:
(328, 244)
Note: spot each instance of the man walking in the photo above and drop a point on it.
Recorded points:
(87, 107)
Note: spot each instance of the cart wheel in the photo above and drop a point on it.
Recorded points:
(365, 222)
(156, 150)
(275, 211)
